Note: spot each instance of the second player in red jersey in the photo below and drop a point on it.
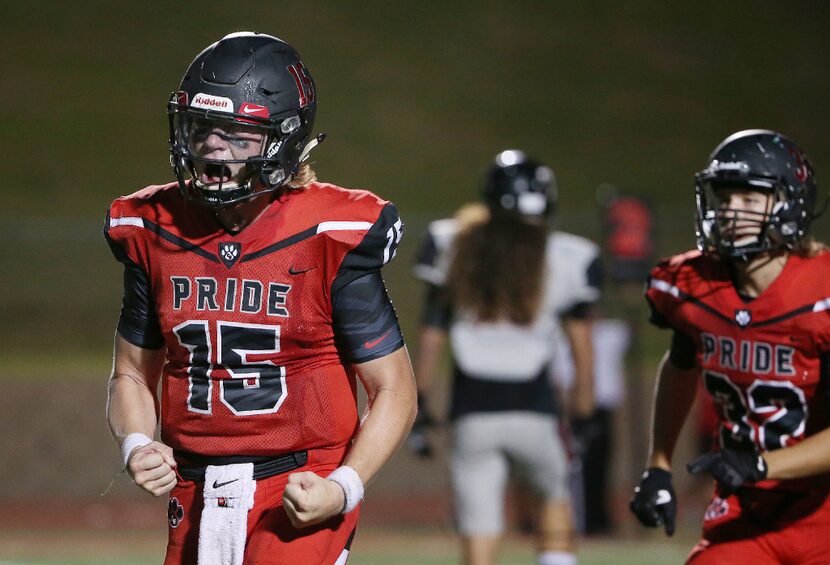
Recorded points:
(750, 320)
(253, 294)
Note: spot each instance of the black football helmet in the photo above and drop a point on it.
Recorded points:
(519, 186)
(249, 81)
(758, 160)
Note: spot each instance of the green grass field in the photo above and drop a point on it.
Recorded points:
(372, 547)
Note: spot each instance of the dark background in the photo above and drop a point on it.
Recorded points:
(416, 99)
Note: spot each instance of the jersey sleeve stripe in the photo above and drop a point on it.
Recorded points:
(663, 286)
(668, 288)
(127, 221)
(164, 234)
(343, 226)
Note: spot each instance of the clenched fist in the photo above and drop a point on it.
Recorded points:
(309, 499)
(152, 467)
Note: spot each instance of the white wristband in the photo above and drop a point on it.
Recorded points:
(352, 486)
(131, 442)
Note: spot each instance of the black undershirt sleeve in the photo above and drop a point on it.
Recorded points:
(365, 324)
(682, 352)
(580, 311)
(594, 275)
(138, 322)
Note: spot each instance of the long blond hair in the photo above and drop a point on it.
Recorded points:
(304, 177)
(809, 247)
(497, 270)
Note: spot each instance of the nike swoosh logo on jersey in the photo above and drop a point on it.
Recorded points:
(248, 110)
(293, 271)
(217, 484)
(374, 342)
(663, 497)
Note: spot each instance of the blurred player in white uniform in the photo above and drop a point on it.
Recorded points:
(594, 436)
(503, 287)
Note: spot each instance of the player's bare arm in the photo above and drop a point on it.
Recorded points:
(430, 346)
(807, 458)
(654, 502)
(132, 408)
(390, 388)
(579, 331)
(673, 398)
(431, 343)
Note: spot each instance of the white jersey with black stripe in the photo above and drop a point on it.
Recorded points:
(504, 350)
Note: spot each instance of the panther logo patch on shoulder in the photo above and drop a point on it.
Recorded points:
(229, 252)
(175, 512)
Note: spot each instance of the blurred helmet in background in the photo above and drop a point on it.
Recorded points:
(244, 87)
(518, 186)
(761, 161)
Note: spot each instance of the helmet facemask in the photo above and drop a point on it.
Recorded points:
(222, 158)
(739, 232)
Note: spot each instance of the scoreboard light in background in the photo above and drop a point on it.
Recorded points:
(628, 234)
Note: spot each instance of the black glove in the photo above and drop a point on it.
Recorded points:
(654, 503)
(418, 440)
(584, 432)
(731, 468)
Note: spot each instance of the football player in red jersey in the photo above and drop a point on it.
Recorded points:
(749, 314)
(253, 294)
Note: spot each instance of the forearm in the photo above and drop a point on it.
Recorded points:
(131, 408)
(132, 405)
(673, 398)
(389, 415)
(582, 394)
(580, 336)
(807, 458)
(430, 347)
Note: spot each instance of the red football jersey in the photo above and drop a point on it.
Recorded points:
(761, 359)
(252, 364)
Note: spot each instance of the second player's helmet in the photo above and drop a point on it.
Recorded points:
(517, 185)
(247, 80)
(763, 161)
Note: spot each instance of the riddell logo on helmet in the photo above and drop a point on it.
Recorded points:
(730, 166)
(210, 102)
